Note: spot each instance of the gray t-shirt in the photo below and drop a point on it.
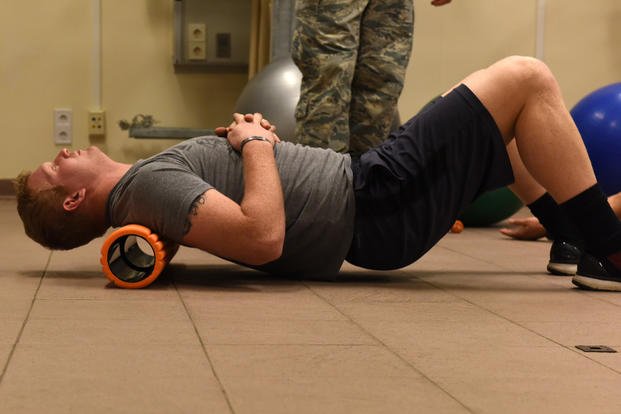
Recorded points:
(317, 185)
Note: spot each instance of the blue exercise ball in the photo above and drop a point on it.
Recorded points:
(598, 117)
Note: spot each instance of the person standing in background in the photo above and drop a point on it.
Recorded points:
(353, 55)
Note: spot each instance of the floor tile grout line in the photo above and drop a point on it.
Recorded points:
(589, 293)
(392, 351)
(204, 348)
(567, 347)
(594, 295)
(580, 292)
(504, 268)
(480, 260)
(26, 319)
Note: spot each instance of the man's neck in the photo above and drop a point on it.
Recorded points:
(103, 187)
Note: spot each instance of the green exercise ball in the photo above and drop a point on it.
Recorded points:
(490, 208)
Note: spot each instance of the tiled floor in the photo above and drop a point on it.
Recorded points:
(475, 327)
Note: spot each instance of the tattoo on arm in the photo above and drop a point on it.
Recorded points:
(198, 201)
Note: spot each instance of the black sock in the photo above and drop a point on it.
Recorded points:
(555, 221)
(596, 221)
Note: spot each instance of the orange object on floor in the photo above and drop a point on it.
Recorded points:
(457, 227)
(133, 256)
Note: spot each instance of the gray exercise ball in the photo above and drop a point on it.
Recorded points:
(274, 92)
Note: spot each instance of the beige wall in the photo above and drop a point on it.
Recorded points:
(581, 43)
(456, 39)
(46, 62)
(138, 77)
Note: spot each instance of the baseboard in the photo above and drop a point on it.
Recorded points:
(6, 187)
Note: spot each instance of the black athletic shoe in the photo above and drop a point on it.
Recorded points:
(564, 258)
(597, 273)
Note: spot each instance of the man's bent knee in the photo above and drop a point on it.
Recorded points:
(530, 72)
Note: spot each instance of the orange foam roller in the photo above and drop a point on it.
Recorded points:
(133, 256)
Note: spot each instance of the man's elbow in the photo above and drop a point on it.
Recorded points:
(267, 251)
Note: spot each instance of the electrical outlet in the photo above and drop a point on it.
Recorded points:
(97, 122)
(197, 50)
(196, 32)
(63, 118)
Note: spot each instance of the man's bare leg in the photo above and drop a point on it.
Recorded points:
(566, 249)
(525, 187)
(525, 100)
(547, 139)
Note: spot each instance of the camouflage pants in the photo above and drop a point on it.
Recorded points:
(353, 55)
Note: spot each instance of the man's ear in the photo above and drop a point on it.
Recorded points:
(74, 199)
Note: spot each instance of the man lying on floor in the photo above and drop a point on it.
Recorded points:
(290, 209)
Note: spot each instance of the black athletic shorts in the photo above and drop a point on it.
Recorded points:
(410, 190)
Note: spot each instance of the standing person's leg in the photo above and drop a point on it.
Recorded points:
(385, 47)
(325, 48)
(550, 146)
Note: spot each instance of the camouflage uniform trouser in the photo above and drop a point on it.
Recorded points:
(353, 55)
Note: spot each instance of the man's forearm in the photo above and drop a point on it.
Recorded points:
(263, 203)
